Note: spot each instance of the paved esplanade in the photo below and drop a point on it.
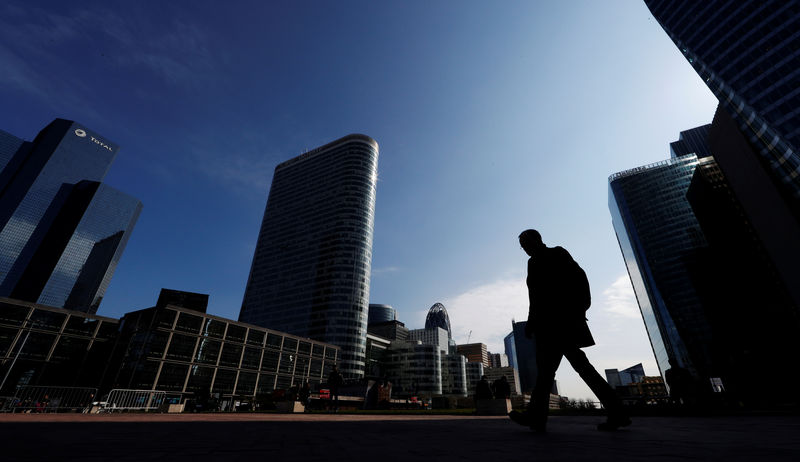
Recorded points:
(326, 437)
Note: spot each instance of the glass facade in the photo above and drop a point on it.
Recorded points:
(188, 352)
(9, 145)
(474, 372)
(525, 353)
(454, 375)
(511, 350)
(311, 268)
(52, 346)
(748, 53)
(381, 313)
(437, 317)
(660, 237)
(414, 369)
(62, 232)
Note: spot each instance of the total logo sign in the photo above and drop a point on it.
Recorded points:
(82, 134)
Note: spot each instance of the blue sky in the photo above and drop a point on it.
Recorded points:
(492, 117)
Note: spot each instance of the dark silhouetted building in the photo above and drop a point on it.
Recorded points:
(392, 330)
(711, 294)
(748, 53)
(311, 268)
(47, 346)
(62, 231)
(177, 348)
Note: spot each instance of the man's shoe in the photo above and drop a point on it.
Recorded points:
(614, 423)
(524, 419)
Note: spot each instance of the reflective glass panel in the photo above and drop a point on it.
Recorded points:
(208, 351)
(246, 384)
(13, 314)
(214, 328)
(189, 323)
(181, 347)
(231, 354)
(224, 381)
(235, 333)
(172, 377)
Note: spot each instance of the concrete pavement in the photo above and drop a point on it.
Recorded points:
(326, 437)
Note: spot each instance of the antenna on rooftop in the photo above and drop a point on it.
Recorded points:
(469, 336)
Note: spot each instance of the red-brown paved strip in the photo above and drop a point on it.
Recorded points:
(228, 417)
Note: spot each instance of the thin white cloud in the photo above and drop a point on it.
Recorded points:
(384, 270)
(619, 299)
(487, 311)
(248, 171)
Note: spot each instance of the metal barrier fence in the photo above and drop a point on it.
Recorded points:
(133, 400)
(51, 399)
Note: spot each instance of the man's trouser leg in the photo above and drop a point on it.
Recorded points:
(608, 398)
(548, 358)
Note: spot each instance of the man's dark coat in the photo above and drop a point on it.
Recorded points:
(559, 297)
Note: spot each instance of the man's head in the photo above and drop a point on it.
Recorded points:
(530, 240)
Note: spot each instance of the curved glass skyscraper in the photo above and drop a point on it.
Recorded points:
(311, 268)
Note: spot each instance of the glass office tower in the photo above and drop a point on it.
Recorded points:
(748, 53)
(710, 293)
(62, 232)
(657, 232)
(311, 268)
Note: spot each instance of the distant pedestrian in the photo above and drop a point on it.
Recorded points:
(559, 296)
(304, 396)
(502, 389)
(483, 390)
(335, 381)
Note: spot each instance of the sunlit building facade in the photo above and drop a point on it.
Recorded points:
(62, 231)
(657, 232)
(310, 273)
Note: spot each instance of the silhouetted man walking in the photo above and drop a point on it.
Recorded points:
(559, 297)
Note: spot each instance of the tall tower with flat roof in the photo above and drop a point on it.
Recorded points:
(311, 268)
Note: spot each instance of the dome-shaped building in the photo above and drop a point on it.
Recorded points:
(437, 317)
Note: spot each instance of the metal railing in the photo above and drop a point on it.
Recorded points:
(31, 398)
(133, 400)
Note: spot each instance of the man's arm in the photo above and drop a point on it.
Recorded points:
(531, 301)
